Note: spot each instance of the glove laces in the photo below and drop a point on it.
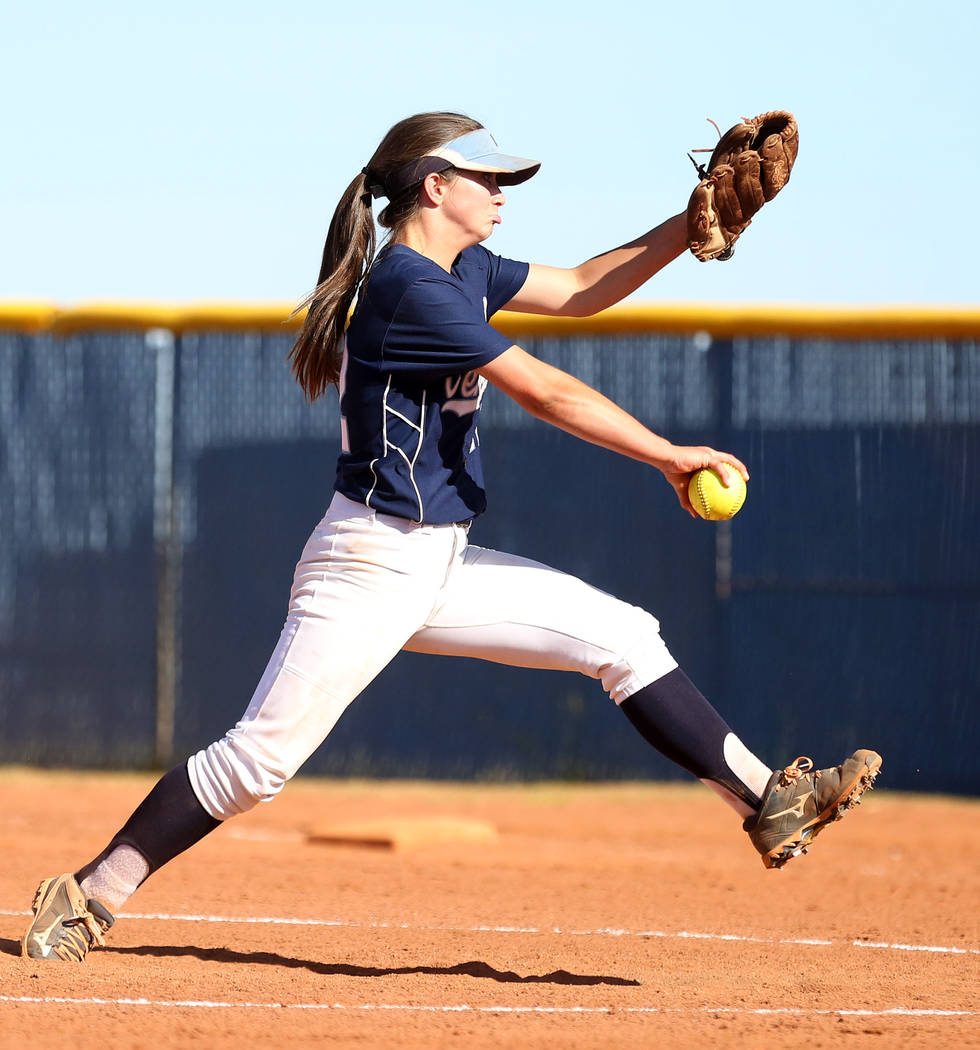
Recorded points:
(700, 168)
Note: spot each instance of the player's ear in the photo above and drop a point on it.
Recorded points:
(433, 189)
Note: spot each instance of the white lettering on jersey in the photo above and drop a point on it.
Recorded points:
(464, 393)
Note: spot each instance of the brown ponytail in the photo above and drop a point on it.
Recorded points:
(349, 249)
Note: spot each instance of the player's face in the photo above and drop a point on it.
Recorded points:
(474, 202)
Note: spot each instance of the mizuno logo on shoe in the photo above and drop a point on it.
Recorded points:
(795, 810)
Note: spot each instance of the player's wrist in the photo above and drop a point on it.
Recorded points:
(667, 458)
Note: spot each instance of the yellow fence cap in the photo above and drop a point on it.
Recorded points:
(721, 321)
(26, 316)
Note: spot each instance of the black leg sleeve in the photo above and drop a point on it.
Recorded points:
(673, 716)
(169, 820)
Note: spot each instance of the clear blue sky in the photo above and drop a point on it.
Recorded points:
(196, 150)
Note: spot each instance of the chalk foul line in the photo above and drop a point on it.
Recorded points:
(600, 932)
(206, 1004)
(274, 920)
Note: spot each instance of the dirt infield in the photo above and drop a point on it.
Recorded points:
(603, 916)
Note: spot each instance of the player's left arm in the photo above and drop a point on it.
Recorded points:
(604, 280)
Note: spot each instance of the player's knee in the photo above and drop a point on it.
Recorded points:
(229, 778)
(643, 658)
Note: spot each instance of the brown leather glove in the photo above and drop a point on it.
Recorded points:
(749, 166)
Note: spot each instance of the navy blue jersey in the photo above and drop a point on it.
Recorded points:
(409, 392)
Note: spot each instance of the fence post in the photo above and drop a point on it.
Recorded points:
(720, 365)
(166, 539)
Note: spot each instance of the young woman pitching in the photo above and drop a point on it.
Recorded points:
(390, 566)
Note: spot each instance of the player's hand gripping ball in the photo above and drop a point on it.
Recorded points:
(711, 499)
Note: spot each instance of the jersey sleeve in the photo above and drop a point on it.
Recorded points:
(438, 330)
(506, 277)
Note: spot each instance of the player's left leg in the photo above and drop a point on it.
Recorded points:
(507, 609)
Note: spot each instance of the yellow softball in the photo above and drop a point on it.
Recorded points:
(711, 499)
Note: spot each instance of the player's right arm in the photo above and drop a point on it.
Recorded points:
(556, 397)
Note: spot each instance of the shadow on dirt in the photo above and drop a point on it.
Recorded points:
(467, 969)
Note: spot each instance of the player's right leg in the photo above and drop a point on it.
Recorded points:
(364, 584)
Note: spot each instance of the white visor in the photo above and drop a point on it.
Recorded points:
(478, 151)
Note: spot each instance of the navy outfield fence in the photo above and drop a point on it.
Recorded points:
(160, 471)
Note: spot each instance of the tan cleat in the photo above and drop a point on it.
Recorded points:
(799, 803)
(65, 925)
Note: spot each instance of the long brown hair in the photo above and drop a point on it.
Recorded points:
(349, 249)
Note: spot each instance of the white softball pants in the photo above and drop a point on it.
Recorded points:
(368, 585)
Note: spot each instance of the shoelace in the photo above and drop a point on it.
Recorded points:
(800, 767)
(78, 937)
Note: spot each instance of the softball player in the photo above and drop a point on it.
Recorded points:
(390, 565)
